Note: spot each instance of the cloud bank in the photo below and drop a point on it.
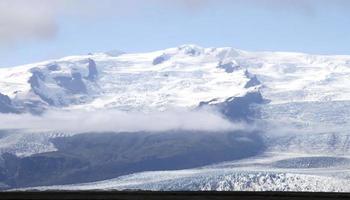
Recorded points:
(21, 20)
(118, 121)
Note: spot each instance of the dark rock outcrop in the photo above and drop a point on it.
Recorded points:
(253, 80)
(73, 84)
(93, 73)
(190, 50)
(238, 108)
(35, 82)
(6, 105)
(160, 59)
(53, 67)
(93, 157)
(229, 67)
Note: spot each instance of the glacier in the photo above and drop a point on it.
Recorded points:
(297, 103)
(187, 75)
(253, 174)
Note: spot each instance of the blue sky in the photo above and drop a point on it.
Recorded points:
(39, 29)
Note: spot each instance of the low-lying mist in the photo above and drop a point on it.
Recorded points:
(119, 121)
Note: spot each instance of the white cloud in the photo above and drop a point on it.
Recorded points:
(21, 20)
(118, 121)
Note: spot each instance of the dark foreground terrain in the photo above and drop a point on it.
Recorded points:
(171, 195)
(92, 157)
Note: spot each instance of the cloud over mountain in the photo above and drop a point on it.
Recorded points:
(118, 121)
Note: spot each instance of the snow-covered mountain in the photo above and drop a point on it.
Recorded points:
(183, 76)
(177, 77)
(289, 102)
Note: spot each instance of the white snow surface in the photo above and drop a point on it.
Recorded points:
(133, 82)
(186, 76)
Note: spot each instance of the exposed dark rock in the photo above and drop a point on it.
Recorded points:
(35, 80)
(238, 108)
(160, 59)
(53, 67)
(253, 80)
(190, 50)
(93, 157)
(229, 67)
(74, 84)
(93, 73)
(6, 105)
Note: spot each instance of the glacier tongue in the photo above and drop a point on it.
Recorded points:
(255, 174)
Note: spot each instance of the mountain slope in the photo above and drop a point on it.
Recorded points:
(188, 76)
(296, 103)
(183, 76)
